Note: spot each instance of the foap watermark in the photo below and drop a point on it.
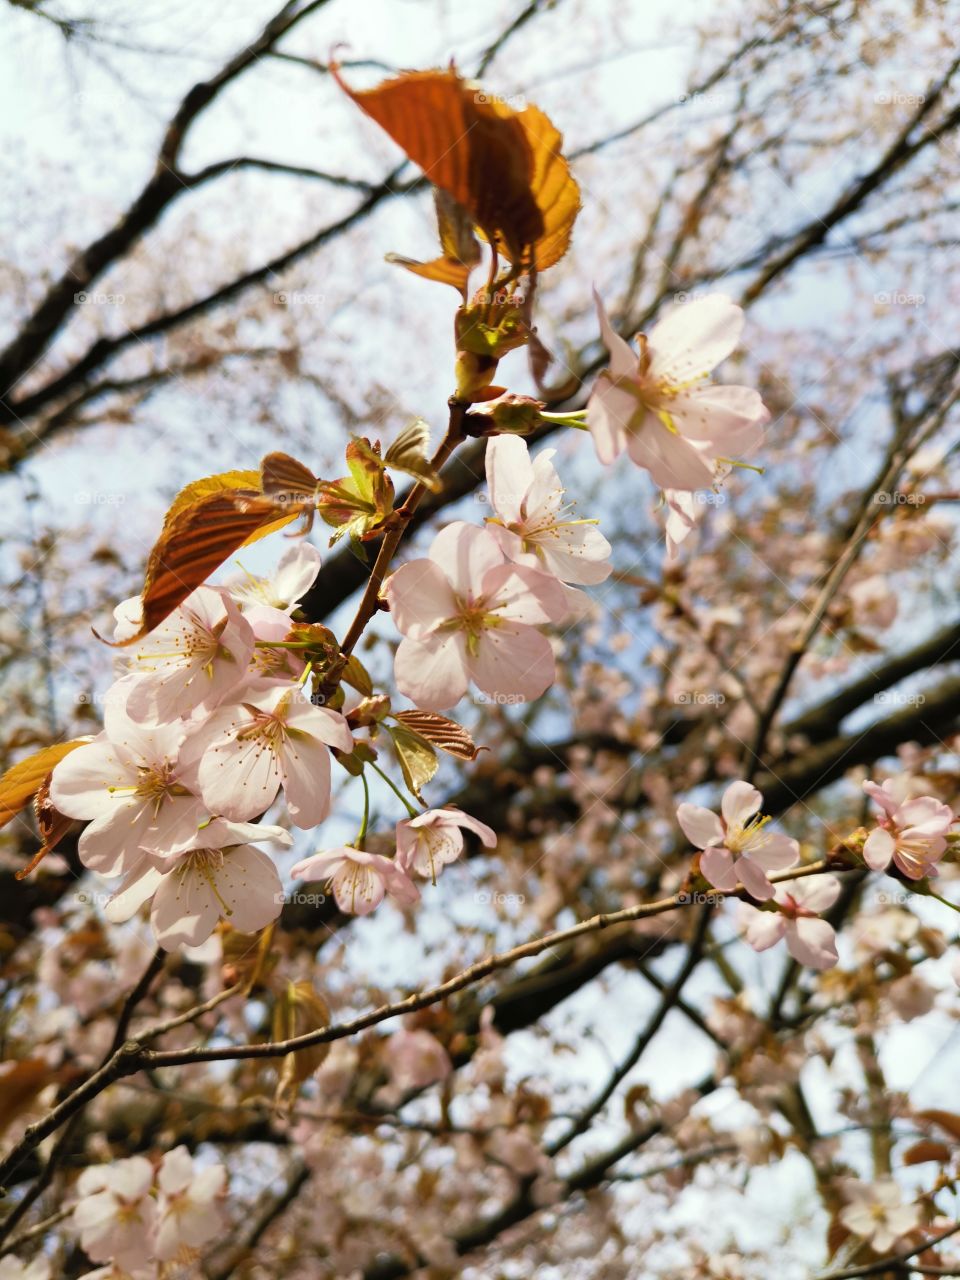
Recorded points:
(709, 498)
(703, 99)
(700, 898)
(298, 899)
(899, 298)
(892, 898)
(690, 295)
(94, 298)
(499, 297)
(895, 98)
(98, 498)
(296, 298)
(893, 699)
(500, 699)
(700, 698)
(495, 899)
(897, 498)
(516, 101)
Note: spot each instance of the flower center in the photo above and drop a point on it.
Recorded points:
(747, 837)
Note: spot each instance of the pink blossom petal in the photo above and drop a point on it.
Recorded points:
(740, 802)
(623, 359)
(514, 662)
(776, 852)
(753, 879)
(305, 773)
(674, 463)
(727, 418)
(878, 849)
(509, 476)
(701, 827)
(812, 942)
(610, 412)
(761, 929)
(883, 795)
(432, 672)
(465, 553)
(717, 866)
(420, 598)
(816, 893)
(524, 595)
(694, 337)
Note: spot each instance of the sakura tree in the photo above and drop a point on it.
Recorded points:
(537, 884)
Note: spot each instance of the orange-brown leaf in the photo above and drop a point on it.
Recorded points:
(197, 540)
(503, 166)
(949, 1121)
(21, 783)
(927, 1149)
(443, 733)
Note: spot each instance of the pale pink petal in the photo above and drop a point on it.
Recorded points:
(761, 929)
(924, 816)
(878, 849)
(137, 887)
(524, 595)
(753, 879)
(513, 661)
(318, 722)
(296, 573)
(80, 783)
(465, 553)
(432, 672)
(883, 795)
(610, 414)
(487, 835)
(694, 338)
(727, 418)
(816, 893)
(776, 852)
(701, 827)
(623, 359)
(717, 867)
(740, 802)
(673, 462)
(812, 942)
(420, 598)
(509, 476)
(577, 553)
(305, 773)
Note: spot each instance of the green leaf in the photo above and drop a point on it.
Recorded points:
(418, 760)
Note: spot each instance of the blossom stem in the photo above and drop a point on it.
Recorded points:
(365, 820)
(391, 540)
(395, 789)
(576, 419)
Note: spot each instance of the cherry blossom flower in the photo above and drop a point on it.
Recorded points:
(190, 1196)
(876, 1213)
(193, 659)
(358, 879)
(293, 577)
(431, 840)
(736, 848)
(659, 404)
(532, 525)
(910, 833)
(115, 1213)
(277, 738)
(218, 875)
(467, 614)
(416, 1059)
(810, 941)
(132, 788)
(11, 1268)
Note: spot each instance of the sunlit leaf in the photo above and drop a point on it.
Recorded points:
(298, 1010)
(418, 760)
(410, 453)
(23, 781)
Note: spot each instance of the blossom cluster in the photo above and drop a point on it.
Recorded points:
(132, 1215)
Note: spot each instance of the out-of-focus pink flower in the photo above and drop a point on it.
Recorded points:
(194, 658)
(810, 940)
(431, 840)
(278, 738)
(532, 525)
(359, 879)
(736, 847)
(293, 577)
(190, 1194)
(876, 1213)
(114, 1213)
(416, 1059)
(468, 614)
(660, 405)
(218, 875)
(132, 787)
(911, 833)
